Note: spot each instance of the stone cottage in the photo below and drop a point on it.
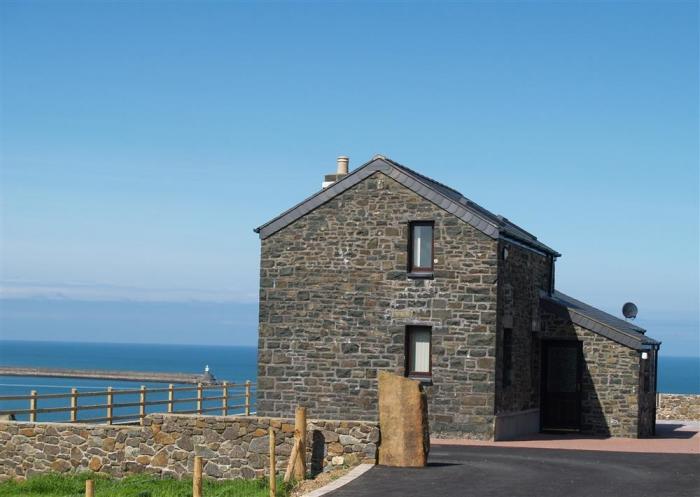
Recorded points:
(386, 269)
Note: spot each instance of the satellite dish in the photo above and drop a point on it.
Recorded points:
(629, 310)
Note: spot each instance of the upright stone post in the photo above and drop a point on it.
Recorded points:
(403, 421)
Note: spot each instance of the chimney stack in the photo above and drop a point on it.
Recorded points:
(343, 164)
(341, 172)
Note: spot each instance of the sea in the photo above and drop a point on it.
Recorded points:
(235, 364)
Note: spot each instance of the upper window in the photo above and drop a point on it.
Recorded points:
(421, 247)
(418, 351)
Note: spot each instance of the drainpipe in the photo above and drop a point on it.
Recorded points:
(552, 259)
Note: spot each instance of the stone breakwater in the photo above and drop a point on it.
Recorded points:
(102, 374)
(675, 406)
(232, 447)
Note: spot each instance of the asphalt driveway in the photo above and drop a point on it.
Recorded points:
(463, 471)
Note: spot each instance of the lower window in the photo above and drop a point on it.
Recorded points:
(418, 349)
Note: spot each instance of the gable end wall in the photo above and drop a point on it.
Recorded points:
(335, 301)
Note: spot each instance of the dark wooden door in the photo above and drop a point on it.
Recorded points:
(561, 385)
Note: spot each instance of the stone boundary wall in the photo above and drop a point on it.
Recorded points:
(680, 407)
(232, 446)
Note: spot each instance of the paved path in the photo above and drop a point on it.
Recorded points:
(672, 437)
(465, 471)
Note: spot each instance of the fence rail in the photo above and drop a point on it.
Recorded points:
(238, 393)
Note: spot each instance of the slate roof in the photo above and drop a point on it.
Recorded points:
(599, 322)
(443, 196)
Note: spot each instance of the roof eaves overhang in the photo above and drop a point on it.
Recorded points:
(537, 247)
(613, 334)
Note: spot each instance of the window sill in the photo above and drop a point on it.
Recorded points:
(425, 380)
(421, 276)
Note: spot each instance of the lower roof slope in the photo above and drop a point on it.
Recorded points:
(600, 322)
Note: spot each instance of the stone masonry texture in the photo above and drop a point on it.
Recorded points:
(610, 380)
(613, 398)
(678, 407)
(523, 274)
(335, 300)
(647, 395)
(232, 446)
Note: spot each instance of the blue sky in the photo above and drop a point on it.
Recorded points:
(141, 142)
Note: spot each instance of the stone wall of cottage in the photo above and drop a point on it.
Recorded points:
(232, 447)
(681, 407)
(335, 301)
(522, 275)
(610, 379)
(647, 394)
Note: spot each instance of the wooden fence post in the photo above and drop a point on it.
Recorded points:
(73, 405)
(171, 397)
(32, 406)
(273, 469)
(300, 434)
(247, 398)
(89, 488)
(200, 396)
(110, 403)
(197, 477)
(224, 401)
(142, 404)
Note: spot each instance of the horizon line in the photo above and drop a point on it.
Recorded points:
(6, 340)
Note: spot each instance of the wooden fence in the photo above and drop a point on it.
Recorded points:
(235, 398)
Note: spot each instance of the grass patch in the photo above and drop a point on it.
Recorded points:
(55, 485)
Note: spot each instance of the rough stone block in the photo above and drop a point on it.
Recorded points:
(403, 420)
